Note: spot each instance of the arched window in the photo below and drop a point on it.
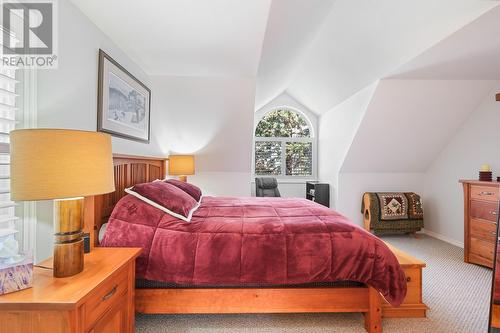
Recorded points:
(283, 144)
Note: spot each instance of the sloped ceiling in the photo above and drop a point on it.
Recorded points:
(416, 111)
(471, 53)
(319, 51)
(408, 122)
(291, 29)
(364, 40)
(185, 37)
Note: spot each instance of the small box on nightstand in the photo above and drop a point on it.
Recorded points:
(16, 276)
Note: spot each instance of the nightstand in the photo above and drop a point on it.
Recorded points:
(100, 299)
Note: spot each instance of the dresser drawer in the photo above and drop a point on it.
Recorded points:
(482, 248)
(484, 210)
(105, 296)
(484, 230)
(487, 193)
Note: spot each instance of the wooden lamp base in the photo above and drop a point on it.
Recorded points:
(183, 178)
(68, 241)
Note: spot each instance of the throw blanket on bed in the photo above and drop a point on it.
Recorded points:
(241, 241)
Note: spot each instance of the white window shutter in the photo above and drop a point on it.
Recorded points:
(8, 110)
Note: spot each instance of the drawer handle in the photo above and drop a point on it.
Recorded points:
(408, 279)
(486, 193)
(110, 294)
(493, 212)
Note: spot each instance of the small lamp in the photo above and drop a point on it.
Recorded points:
(181, 165)
(64, 166)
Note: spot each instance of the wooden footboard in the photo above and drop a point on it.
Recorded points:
(413, 305)
(263, 300)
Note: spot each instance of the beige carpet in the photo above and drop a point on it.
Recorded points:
(457, 293)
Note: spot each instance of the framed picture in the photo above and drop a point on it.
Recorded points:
(123, 102)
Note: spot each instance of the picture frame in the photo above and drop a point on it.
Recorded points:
(123, 102)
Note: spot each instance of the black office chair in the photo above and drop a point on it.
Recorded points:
(266, 187)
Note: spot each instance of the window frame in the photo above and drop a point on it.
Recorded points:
(9, 218)
(283, 140)
(25, 116)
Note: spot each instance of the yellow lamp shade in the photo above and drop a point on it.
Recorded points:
(181, 165)
(57, 163)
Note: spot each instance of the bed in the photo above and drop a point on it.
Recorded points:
(220, 292)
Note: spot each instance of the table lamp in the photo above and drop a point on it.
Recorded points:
(181, 165)
(64, 166)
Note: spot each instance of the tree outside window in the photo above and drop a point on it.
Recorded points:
(283, 145)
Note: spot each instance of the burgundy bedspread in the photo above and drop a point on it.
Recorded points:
(254, 241)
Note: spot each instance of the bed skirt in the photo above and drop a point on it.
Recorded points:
(149, 284)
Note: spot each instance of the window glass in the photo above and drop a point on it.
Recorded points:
(268, 158)
(299, 158)
(283, 145)
(283, 123)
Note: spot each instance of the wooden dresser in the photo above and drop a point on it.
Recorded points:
(480, 221)
(98, 300)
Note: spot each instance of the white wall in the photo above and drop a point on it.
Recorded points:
(405, 126)
(337, 129)
(408, 122)
(364, 146)
(211, 117)
(475, 143)
(67, 97)
(352, 185)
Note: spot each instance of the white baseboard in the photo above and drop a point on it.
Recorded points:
(444, 238)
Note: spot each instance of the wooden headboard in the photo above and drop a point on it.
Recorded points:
(129, 170)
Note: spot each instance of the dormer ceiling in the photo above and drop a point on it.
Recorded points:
(364, 40)
(435, 93)
(320, 52)
(185, 37)
(471, 53)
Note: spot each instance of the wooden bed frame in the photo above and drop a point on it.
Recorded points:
(130, 170)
